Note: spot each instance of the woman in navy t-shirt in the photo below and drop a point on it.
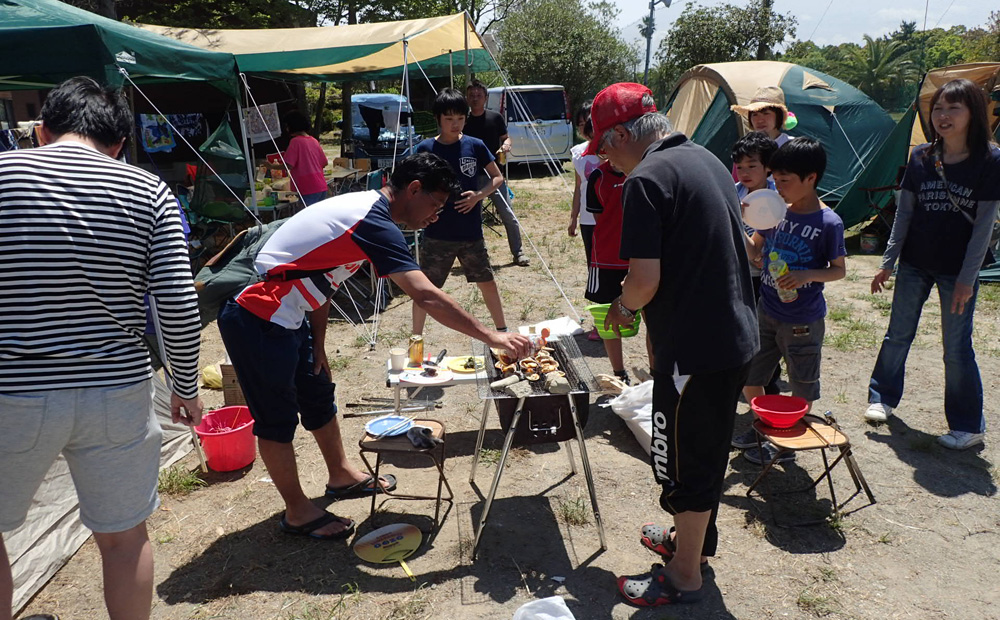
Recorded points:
(941, 235)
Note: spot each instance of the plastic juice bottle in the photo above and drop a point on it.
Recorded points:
(777, 268)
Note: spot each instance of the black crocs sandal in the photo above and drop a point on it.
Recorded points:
(654, 589)
(309, 529)
(365, 488)
(659, 539)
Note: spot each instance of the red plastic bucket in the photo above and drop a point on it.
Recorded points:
(227, 438)
(779, 411)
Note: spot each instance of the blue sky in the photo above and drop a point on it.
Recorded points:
(845, 20)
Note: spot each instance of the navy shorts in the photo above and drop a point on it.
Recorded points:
(275, 368)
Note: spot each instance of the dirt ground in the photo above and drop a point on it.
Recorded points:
(930, 547)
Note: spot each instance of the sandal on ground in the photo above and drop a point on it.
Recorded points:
(365, 488)
(309, 529)
(660, 540)
(654, 589)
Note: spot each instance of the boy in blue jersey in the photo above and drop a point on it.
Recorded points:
(458, 231)
(810, 240)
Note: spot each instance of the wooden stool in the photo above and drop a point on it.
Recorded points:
(402, 444)
(811, 433)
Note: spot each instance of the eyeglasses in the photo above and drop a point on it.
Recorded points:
(603, 144)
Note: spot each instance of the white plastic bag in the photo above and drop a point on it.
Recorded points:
(551, 608)
(635, 406)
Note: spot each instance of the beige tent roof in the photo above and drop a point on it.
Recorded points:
(985, 74)
(340, 52)
(739, 81)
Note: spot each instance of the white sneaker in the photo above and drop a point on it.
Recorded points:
(878, 412)
(960, 440)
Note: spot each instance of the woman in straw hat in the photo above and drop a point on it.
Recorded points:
(766, 112)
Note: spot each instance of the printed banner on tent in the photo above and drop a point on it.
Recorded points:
(262, 122)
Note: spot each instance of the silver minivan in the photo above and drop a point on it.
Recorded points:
(538, 121)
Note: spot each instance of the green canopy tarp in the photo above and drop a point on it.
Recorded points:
(46, 42)
(848, 124)
(350, 52)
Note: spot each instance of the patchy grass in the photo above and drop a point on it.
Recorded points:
(885, 539)
(527, 308)
(854, 334)
(882, 303)
(489, 456)
(838, 313)
(413, 607)
(339, 363)
(178, 481)
(816, 604)
(574, 511)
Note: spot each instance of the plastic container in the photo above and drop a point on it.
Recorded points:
(227, 438)
(779, 411)
(869, 243)
(600, 311)
(777, 268)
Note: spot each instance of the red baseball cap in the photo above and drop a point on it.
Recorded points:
(618, 103)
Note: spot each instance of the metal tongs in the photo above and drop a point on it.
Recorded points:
(431, 367)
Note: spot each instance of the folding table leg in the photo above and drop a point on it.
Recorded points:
(852, 466)
(586, 470)
(479, 441)
(496, 478)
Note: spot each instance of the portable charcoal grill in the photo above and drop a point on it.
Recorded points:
(540, 417)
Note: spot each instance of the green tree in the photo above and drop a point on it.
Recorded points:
(565, 42)
(722, 33)
(983, 44)
(216, 13)
(880, 68)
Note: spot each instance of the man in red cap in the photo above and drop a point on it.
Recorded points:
(683, 237)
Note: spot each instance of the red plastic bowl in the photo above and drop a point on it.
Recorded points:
(779, 411)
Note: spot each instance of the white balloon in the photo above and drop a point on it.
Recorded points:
(765, 209)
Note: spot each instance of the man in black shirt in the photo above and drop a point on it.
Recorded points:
(683, 237)
(490, 127)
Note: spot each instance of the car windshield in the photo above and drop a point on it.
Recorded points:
(545, 105)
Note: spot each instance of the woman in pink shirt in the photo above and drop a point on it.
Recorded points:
(305, 159)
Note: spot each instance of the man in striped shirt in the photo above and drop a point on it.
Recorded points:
(83, 237)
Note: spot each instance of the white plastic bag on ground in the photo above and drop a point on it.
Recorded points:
(551, 608)
(635, 406)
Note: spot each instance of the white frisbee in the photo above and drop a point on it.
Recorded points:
(765, 209)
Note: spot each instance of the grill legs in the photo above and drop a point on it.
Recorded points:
(496, 477)
(503, 460)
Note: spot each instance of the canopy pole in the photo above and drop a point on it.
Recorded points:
(247, 151)
(451, 68)
(465, 31)
(406, 82)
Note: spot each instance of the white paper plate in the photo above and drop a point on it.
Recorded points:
(765, 209)
(418, 378)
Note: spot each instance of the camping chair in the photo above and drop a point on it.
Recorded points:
(810, 433)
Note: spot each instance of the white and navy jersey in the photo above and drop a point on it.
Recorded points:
(83, 238)
(311, 255)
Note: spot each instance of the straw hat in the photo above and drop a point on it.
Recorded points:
(766, 97)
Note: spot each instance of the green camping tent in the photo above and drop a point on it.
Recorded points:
(846, 121)
(46, 42)
(911, 131)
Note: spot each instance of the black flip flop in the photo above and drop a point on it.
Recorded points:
(309, 529)
(365, 488)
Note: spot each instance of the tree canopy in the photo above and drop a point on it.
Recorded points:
(565, 42)
(722, 33)
(888, 68)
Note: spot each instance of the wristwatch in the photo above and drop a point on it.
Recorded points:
(625, 312)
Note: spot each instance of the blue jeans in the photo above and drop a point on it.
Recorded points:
(963, 387)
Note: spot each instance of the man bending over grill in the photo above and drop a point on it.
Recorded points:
(274, 330)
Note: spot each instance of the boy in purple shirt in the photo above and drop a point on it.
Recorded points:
(810, 241)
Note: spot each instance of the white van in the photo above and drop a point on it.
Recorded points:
(538, 121)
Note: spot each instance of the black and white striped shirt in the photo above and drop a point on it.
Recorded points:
(82, 238)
